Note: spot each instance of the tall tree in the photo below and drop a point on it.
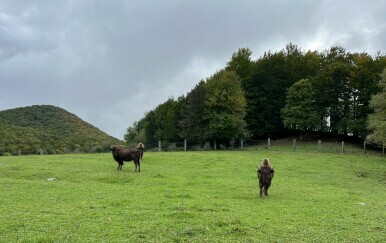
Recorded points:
(300, 111)
(136, 133)
(377, 120)
(332, 86)
(151, 128)
(167, 116)
(192, 125)
(244, 67)
(268, 86)
(224, 107)
(131, 133)
(265, 90)
(343, 84)
(241, 64)
(364, 84)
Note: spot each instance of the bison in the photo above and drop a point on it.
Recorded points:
(265, 173)
(141, 147)
(121, 153)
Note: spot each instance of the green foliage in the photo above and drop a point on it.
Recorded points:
(162, 123)
(364, 82)
(131, 133)
(335, 91)
(342, 83)
(241, 64)
(300, 110)
(166, 120)
(268, 94)
(224, 107)
(49, 128)
(193, 197)
(343, 88)
(265, 90)
(377, 120)
(135, 134)
(192, 124)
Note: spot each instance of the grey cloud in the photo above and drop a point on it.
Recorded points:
(109, 62)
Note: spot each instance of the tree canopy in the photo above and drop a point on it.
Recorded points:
(279, 93)
(377, 120)
(224, 108)
(300, 111)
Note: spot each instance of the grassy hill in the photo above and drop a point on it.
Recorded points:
(51, 128)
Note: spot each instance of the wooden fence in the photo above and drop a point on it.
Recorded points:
(274, 145)
(294, 145)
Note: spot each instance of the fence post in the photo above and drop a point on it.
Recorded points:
(41, 151)
(159, 145)
(269, 143)
(185, 144)
(342, 146)
(364, 146)
(319, 145)
(294, 144)
(215, 145)
(242, 143)
(19, 152)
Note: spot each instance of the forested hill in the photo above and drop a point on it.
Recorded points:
(50, 128)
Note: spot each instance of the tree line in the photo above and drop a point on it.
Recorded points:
(281, 93)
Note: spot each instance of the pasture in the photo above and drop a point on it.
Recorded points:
(209, 196)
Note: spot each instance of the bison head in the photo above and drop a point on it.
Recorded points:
(140, 146)
(265, 174)
(114, 149)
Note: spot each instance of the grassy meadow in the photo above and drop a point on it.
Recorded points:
(209, 196)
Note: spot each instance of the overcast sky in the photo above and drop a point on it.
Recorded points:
(110, 61)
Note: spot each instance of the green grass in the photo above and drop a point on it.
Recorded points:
(193, 197)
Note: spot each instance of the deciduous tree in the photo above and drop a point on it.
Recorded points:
(192, 124)
(377, 120)
(224, 107)
(300, 111)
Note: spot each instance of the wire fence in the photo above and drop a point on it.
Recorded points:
(293, 145)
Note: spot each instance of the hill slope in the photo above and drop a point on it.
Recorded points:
(51, 128)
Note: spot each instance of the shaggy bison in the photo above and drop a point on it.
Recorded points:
(121, 153)
(265, 173)
(141, 147)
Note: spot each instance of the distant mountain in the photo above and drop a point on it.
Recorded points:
(50, 128)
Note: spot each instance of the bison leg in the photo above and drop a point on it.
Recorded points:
(261, 190)
(137, 166)
(120, 165)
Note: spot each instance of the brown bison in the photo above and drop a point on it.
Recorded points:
(265, 173)
(141, 147)
(121, 153)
